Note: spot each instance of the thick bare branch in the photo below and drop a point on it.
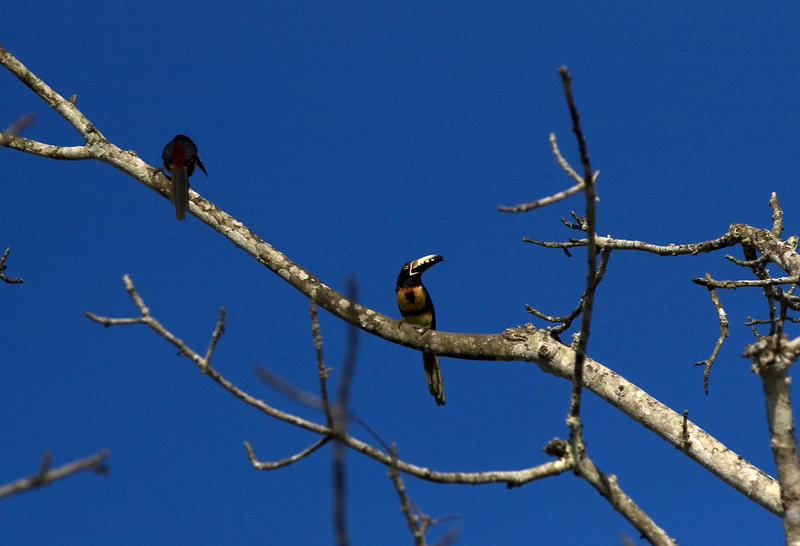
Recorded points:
(772, 356)
(28, 146)
(61, 105)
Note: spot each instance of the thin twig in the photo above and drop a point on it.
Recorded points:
(418, 521)
(523, 207)
(607, 485)
(777, 215)
(46, 475)
(687, 443)
(761, 260)
(322, 371)
(416, 524)
(351, 352)
(579, 223)
(219, 329)
(3, 267)
(759, 270)
(751, 321)
(272, 465)
(723, 333)
(340, 425)
(590, 191)
(566, 320)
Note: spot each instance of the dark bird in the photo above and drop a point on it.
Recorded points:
(180, 157)
(416, 307)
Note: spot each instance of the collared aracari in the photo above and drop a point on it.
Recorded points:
(416, 307)
(180, 157)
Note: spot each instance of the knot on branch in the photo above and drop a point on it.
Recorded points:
(547, 351)
(772, 354)
(556, 447)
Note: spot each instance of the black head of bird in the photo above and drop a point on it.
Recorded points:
(180, 158)
(416, 307)
(411, 273)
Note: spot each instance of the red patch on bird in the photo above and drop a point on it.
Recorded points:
(177, 155)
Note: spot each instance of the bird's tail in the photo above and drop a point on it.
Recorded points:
(433, 373)
(180, 192)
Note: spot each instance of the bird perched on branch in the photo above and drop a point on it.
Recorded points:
(416, 308)
(180, 157)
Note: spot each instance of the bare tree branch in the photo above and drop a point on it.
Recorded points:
(419, 522)
(576, 449)
(686, 441)
(554, 358)
(526, 343)
(723, 333)
(772, 356)
(57, 102)
(606, 485)
(340, 422)
(322, 370)
(777, 215)
(566, 320)
(416, 524)
(509, 477)
(733, 285)
(590, 191)
(267, 465)
(218, 331)
(549, 200)
(3, 267)
(28, 146)
(46, 475)
(726, 240)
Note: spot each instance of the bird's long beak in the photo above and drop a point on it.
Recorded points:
(421, 264)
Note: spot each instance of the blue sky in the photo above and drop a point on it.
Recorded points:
(354, 138)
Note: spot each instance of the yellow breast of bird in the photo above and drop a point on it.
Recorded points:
(410, 299)
(414, 305)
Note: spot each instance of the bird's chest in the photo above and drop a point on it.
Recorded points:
(412, 298)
